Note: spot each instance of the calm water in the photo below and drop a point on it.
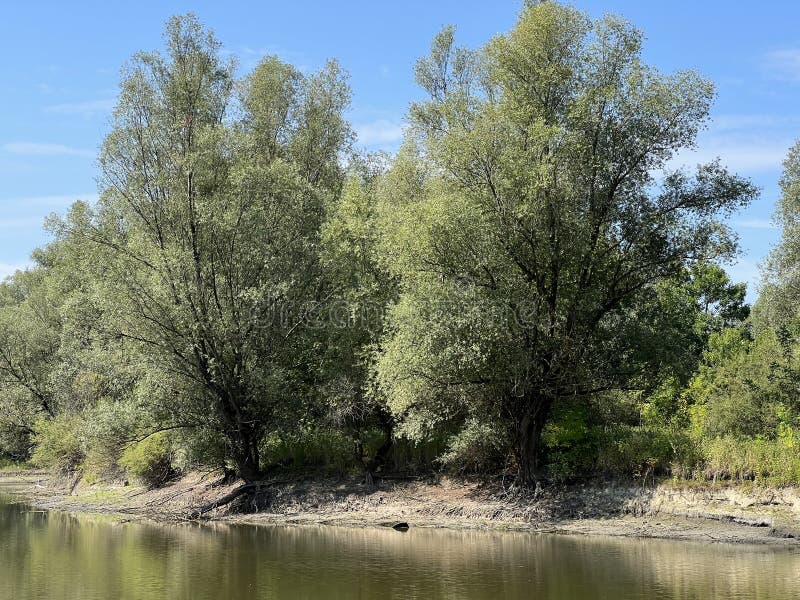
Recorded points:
(64, 557)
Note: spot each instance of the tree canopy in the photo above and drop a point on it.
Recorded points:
(527, 285)
(544, 219)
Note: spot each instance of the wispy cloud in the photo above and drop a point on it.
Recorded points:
(782, 64)
(54, 202)
(247, 57)
(745, 154)
(382, 132)
(738, 122)
(21, 223)
(755, 224)
(44, 149)
(89, 108)
(8, 269)
(747, 143)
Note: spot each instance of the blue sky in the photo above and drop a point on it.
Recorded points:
(61, 63)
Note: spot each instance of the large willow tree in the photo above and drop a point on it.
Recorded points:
(534, 216)
(213, 195)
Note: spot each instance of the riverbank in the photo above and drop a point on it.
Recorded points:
(708, 512)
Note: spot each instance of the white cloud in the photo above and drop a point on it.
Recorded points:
(783, 64)
(738, 122)
(379, 133)
(755, 224)
(21, 223)
(738, 154)
(7, 269)
(54, 202)
(40, 149)
(87, 109)
(746, 143)
(747, 271)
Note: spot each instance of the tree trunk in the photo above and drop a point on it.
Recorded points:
(377, 461)
(529, 440)
(373, 463)
(249, 469)
(245, 454)
(243, 433)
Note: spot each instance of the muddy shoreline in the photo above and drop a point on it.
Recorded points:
(721, 513)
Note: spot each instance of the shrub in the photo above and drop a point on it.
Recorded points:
(477, 448)
(150, 461)
(417, 455)
(57, 444)
(570, 445)
(15, 443)
(773, 462)
(198, 448)
(327, 449)
(111, 424)
(644, 451)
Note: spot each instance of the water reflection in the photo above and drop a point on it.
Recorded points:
(61, 556)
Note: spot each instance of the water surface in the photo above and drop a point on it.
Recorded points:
(52, 555)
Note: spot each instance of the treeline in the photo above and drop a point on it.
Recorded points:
(526, 287)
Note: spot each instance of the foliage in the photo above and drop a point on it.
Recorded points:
(647, 451)
(150, 460)
(765, 461)
(205, 238)
(746, 387)
(329, 450)
(57, 444)
(540, 221)
(478, 448)
(526, 285)
(778, 301)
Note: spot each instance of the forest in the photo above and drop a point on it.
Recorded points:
(526, 289)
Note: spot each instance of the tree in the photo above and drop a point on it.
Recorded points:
(364, 290)
(778, 304)
(747, 386)
(53, 360)
(539, 219)
(207, 231)
(30, 334)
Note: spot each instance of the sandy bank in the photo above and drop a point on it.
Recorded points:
(716, 513)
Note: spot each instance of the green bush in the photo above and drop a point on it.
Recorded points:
(418, 455)
(15, 443)
(58, 444)
(108, 426)
(644, 451)
(197, 448)
(772, 462)
(327, 449)
(569, 444)
(150, 461)
(477, 448)
(333, 451)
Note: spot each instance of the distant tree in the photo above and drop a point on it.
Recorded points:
(53, 358)
(364, 289)
(779, 301)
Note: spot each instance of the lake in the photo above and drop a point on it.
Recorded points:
(46, 555)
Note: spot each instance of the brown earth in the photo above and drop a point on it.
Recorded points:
(718, 512)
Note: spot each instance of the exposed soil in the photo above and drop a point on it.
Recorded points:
(717, 513)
